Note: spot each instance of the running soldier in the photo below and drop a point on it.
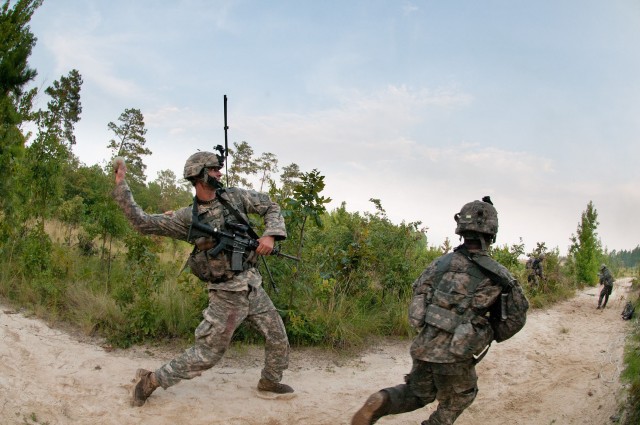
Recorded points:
(606, 280)
(457, 306)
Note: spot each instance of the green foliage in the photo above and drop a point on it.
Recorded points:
(557, 284)
(355, 278)
(16, 44)
(242, 166)
(629, 259)
(266, 165)
(167, 194)
(71, 212)
(35, 252)
(509, 256)
(631, 372)
(586, 248)
(289, 178)
(63, 110)
(129, 143)
(47, 161)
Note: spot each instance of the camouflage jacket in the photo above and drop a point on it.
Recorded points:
(454, 294)
(216, 270)
(606, 278)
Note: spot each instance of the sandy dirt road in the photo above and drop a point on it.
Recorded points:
(562, 368)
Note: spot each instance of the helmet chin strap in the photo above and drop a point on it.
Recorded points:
(212, 182)
(476, 237)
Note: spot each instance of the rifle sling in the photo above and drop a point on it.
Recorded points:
(236, 214)
(250, 230)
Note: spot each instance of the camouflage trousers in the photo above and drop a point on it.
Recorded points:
(604, 294)
(454, 385)
(226, 311)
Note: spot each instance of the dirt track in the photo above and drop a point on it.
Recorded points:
(563, 369)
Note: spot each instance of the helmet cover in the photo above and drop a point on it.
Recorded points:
(477, 217)
(199, 160)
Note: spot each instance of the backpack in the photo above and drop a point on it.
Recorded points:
(510, 314)
(627, 313)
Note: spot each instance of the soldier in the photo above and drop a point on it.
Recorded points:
(455, 303)
(534, 266)
(606, 280)
(233, 295)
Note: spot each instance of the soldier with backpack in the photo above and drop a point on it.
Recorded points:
(461, 303)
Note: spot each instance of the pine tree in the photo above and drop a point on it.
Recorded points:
(585, 246)
(130, 144)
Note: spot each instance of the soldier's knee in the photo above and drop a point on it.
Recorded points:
(403, 399)
(464, 398)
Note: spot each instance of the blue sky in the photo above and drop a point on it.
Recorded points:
(425, 105)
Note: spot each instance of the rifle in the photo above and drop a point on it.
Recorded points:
(238, 242)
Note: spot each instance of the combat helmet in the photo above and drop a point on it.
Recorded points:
(200, 160)
(477, 217)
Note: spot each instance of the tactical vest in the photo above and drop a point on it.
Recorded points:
(448, 312)
(202, 264)
(452, 312)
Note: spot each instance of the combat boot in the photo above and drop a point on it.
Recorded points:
(376, 406)
(274, 387)
(146, 384)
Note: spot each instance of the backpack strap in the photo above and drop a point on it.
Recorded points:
(464, 305)
(493, 270)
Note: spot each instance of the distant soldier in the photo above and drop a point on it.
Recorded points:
(535, 269)
(606, 280)
(461, 303)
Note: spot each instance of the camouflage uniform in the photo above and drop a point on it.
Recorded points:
(455, 304)
(233, 296)
(535, 270)
(437, 372)
(606, 280)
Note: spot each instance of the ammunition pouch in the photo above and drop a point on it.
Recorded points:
(471, 338)
(471, 333)
(442, 318)
(210, 268)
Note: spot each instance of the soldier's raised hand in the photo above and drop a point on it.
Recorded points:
(119, 168)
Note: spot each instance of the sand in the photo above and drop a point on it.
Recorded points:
(562, 368)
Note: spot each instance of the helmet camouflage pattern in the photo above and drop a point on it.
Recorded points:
(477, 217)
(199, 160)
